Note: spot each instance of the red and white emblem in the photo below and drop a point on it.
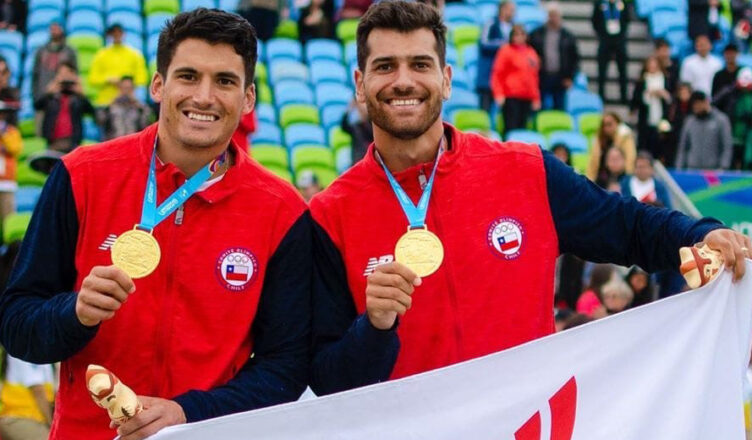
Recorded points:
(236, 269)
(506, 237)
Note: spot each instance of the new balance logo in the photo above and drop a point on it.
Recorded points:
(108, 242)
(563, 406)
(373, 262)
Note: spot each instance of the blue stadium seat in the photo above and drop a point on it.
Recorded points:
(487, 10)
(298, 134)
(129, 20)
(527, 136)
(41, 19)
(576, 141)
(321, 48)
(744, 60)
(84, 20)
(37, 5)
(12, 40)
(267, 133)
(26, 87)
(579, 101)
(28, 66)
(343, 159)
(284, 68)
(91, 5)
(135, 41)
(528, 3)
(331, 115)
(228, 5)
(351, 53)
(451, 56)
(266, 113)
(326, 70)
(460, 80)
(27, 197)
(461, 99)
(283, 48)
(36, 40)
(292, 91)
(151, 46)
(91, 130)
(156, 21)
(261, 49)
(189, 5)
(122, 5)
(330, 93)
(662, 21)
(460, 13)
(675, 6)
(681, 45)
(27, 109)
(530, 16)
(469, 55)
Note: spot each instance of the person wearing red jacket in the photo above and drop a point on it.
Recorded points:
(514, 80)
(400, 288)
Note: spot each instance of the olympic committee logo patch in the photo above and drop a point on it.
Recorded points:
(506, 238)
(236, 269)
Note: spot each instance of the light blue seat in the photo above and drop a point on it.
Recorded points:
(266, 113)
(91, 5)
(41, 19)
(151, 46)
(351, 53)
(298, 134)
(469, 55)
(283, 48)
(291, 91)
(461, 99)
(579, 101)
(28, 66)
(530, 16)
(122, 5)
(37, 5)
(189, 5)
(324, 70)
(84, 20)
(135, 41)
(487, 10)
(12, 40)
(27, 197)
(267, 133)
(576, 141)
(36, 40)
(284, 68)
(662, 21)
(331, 115)
(156, 21)
(744, 60)
(452, 57)
(321, 48)
(129, 20)
(91, 130)
(459, 14)
(460, 80)
(228, 5)
(528, 137)
(330, 93)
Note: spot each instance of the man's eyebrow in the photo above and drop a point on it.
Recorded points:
(391, 58)
(223, 74)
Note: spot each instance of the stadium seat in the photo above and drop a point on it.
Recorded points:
(12, 40)
(580, 81)
(324, 175)
(452, 57)
(298, 134)
(38, 5)
(287, 29)
(339, 138)
(466, 35)
(488, 10)
(264, 93)
(122, 5)
(548, 121)
(85, 42)
(528, 137)
(266, 113)
(41, 19)
(32, 145)
(321, 48)
(25, 176)
(661, 21)
(36, 40)
(580, 162)
(27, 197)
(456, 14)
(267, 134)
(84, 20)
(281, 69)
(589, 123)
(156, 21)
(328, 71)
(291, 91)
(330, 93)
(151, 46)
(228, 5)
(343, 159)
(346, 30)
(461, 81)
(298, 113)
(270, 155)
(283, 48)
(27, 127)
(282, 173)
(530, 16)
(576, 141)
(331, 115)
(156, 6)
(468, 55)
(135, 41)
(189, 5)
(15, 225)
(578, 102)
(467, 119)
(351, 53)
(129, 20)
(744, 60)
(312, 155)
(79, 5)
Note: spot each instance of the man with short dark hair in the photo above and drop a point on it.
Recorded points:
(48, 57)
(126, 114)
(706, 140)
(113, 62)
(440, 246)
(169, 256)
(723, 95)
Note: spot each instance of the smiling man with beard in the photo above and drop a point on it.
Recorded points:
(401, 288)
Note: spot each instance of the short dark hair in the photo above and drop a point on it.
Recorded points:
(404, 17)
(114, 28)
(214, 27)
(661, 42)
(68, 64)
(644, 155)
(126, 78)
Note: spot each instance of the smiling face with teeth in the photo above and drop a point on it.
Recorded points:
(202, 97)
(403, 83)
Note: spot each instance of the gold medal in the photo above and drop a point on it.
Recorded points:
(420, 250)
(136, 252)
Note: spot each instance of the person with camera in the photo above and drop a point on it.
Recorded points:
(64, 105)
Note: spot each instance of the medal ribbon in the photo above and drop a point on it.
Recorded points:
(416, 214)
(151, 215)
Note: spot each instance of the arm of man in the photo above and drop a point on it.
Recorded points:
(277, 372)
(348, 351)
(38, 321)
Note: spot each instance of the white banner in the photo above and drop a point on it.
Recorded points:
(672, 370)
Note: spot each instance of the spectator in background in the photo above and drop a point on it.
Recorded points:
(642, 287)
(589, 303)
(677, 114)
(724, 83)
(557, 49)
(613, 170)
(562, 153)
(48, 57)
(610, 21)
(514, 80)
(112, 63)
(643, 186)
(126, 114)
(612, 133)
(652, 100)
(616, 296)
(669, 65)
(704, 19)
(64, 106)
(357, 124)
(10, 96)
(26, 400)
(264, 15)
(494, 35)
(699, 68)
(743, 117)
(705, 141)
(354, 8)
(308, 184)
(316, 20)
(10, 148)
(12, 14)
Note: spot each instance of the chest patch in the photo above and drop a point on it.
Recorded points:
(506, 238)
(236, 269)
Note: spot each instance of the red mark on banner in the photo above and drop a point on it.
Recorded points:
(563, 405)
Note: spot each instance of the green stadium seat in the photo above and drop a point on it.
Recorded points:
(282, 173)
(346, 30)
(465, 35)
(287, 29)
(466, 119)
(325, 175)
(168, 6)
(84, 60)
(85, 42)
(310, 155)
(264, 93)
(32, 145)
(339, 138)
(262, 73)
(298, 113)
(270, 155)
(580, 162)
(549, 121)
(14, 226)
(25, 176)
(27, 128)
(589, 123)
